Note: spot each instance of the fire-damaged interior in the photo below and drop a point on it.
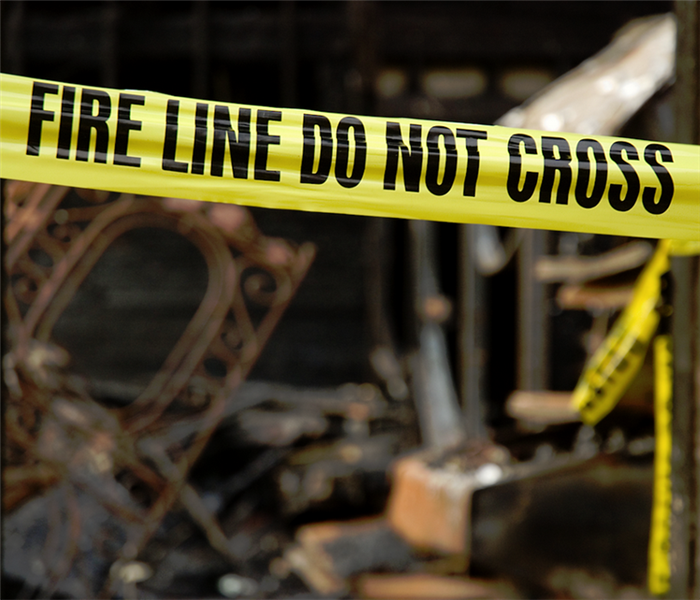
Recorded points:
(212, 400)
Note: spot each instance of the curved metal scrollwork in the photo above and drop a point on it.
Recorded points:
(122, 467)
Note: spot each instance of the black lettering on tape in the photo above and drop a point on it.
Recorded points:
(638, 347)
(515, 167)
(311, 122)
(97, 122)
(584, 173)
(343, 154)
(432, 170)
(412, 159)
(125, 124)
(664, 177)
(65, 128)
(554, 165)
(199, 150)
(38, 115)
(263, 141)
(631, 177)
(170, 142)
(239, 149)
(623, 363)
(472, 138)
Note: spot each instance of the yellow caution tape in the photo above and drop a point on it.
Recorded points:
(659, 541)
(684, 247)
(150, 143)
(613, 366)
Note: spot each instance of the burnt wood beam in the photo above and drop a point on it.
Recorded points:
(685, 427)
